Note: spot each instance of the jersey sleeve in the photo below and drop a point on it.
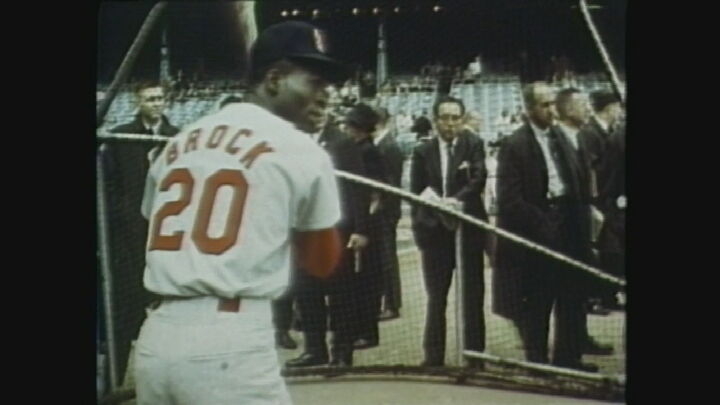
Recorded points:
(319, 208)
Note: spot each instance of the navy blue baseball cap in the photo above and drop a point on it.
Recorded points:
(297, 42)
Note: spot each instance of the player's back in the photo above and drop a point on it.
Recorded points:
(222, 199)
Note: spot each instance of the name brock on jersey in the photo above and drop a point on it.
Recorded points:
(214, 141)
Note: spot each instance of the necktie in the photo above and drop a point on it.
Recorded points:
(559, 158)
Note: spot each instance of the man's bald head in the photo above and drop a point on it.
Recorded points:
(539, 100)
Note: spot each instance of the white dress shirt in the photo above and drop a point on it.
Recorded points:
(604, 125)
(155, 129)
(380, 136)
(556, 188)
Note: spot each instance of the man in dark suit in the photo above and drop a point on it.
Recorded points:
(342, 308)
(125, 168)
(597, 133)
(360, 123)
(612, 202)
(541, 197)
(450, 165)
(128, 162)
(390, 213)
(605, 150)
(573, 113)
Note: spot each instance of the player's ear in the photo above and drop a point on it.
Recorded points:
(273, 80)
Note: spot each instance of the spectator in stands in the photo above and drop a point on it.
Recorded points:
(368, 85)
(416, 84)
(392, 157)
(540, 197)
(518, 119)
(473, 122)
(457, 73)
(451, 168)
(403, 87)
(422, 127)
(503, 124)
(403, 122)
(475, 67)
(445, 78)
(467, 76)
(340, 310)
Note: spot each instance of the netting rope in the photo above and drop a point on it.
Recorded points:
(129, 61)
(440, 207)
(603, 52)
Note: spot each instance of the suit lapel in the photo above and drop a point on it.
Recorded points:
(434, 167)
(383, 144)
(536, 157)
(602, 134)
(571, 159)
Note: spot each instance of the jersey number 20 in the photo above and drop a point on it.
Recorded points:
(204, 243)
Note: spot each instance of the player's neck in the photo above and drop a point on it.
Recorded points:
(260, 100)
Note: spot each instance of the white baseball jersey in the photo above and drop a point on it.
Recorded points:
(222, 200)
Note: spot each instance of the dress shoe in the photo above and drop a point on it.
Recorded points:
(340, 363)
(308, 359)
(363, 343)
(342, 356)
(284, 340)
(594, 347)
(577, 365)
(389, 314)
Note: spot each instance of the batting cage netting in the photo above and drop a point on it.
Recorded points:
(385, 296)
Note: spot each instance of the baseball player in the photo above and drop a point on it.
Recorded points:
(227, 199)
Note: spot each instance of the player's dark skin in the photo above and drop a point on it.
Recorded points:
(293, 93)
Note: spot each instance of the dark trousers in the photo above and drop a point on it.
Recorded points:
(612, 252)
(438, 265)
(549, 284)
(570, 323)
(369, 296)
(283, 310)
(391, 276)
(339, 312)
(368, 281)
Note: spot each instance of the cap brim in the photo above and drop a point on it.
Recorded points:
(332, 70)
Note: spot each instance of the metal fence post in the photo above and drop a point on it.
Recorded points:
(103, 242)
(459, 295)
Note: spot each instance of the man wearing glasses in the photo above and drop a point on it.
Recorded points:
(450, 168)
